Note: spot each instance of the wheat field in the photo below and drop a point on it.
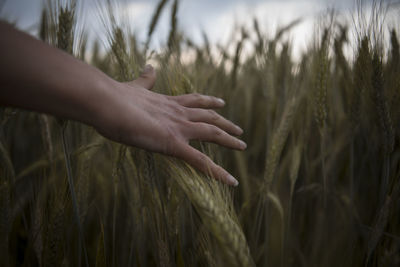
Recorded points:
(319, 181)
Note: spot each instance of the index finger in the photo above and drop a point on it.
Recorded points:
(203, 163)
(199, 101)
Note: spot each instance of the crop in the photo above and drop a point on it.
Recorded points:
(319, 181)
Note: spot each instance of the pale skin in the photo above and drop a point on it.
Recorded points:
(38, 77)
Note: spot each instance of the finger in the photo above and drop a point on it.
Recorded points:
(199, 101)
(203, 163)
(211, 117)
(210, 133)
(147, 78)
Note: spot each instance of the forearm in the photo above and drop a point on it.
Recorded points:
(36, 76)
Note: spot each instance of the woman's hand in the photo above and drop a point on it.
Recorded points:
(139, 117)
(36, 76)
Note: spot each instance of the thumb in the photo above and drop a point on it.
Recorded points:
(147, 78)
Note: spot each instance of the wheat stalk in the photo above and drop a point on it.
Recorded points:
(279, 138)
(155, 18)
(322, 69)
(118, 47)
(215, 214)
(65, 29)
(172, 38)
(5, 220)
(53, 248)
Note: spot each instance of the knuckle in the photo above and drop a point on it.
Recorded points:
(172, 98)
(172, 136)
(180, 99)
(201, 158)
(214, 130)
(199, 98)
(179, 110)
(185, 126)
(219, 171)
(196, 95)
(213, 115)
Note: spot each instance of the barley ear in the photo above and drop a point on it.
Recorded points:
(65, 29)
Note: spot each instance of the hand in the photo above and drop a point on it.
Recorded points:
(139, 117)
(125, 112)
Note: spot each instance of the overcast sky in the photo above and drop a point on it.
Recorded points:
(215, 17)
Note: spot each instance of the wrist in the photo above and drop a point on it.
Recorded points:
(106, 114)
(102, 102)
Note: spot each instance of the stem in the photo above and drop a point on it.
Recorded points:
(121, 151)
(385, 179)
(72, 189)
(322, 151)
(287, 226)
(352, 172)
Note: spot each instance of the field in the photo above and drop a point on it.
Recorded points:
(319, 181)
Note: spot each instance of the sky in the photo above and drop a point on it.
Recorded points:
(217, 18)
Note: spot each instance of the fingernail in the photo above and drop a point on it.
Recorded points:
(147, 68)
(239, 130)
(232, 180)
(220, 100)
(243, 145)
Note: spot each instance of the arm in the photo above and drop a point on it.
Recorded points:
(36, 76)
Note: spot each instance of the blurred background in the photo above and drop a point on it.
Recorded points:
(218, 19)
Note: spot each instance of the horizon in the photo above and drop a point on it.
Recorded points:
(218, 21)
